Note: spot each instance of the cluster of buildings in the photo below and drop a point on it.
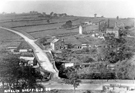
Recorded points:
(24, 51)
(75, 42)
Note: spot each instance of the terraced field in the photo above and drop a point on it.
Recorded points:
(37, 25)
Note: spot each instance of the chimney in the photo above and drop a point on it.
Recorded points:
(80, 29)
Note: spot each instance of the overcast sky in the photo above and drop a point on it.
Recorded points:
(107, 8)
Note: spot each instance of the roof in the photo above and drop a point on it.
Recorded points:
(23, 45)
(55, 40)
(120, 23)
(14, 44)
(108, 29)
(71, 40)
(115, 28)
(82, 39)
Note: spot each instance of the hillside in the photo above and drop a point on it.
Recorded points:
(37, 25)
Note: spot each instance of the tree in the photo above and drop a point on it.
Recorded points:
(9, 68)
(43, 40)
(48, 21)
(88, 91)
(11, 71)
(66, 54)
(95, 15)
(72, 77)
(125, 70)
(117, 18)
(67, 25)
(88, 59)
(123, 31)
(130, 72)
(116, 48)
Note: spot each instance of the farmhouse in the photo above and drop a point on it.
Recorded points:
(24, 47)
(57, 44)
(24, 51)
(76, 42)
(12, 47)
(79, 42)
(54, 44)
(73, 41)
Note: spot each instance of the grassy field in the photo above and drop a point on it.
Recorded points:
(8, 39)
(30, 23)
(37, 26)
(5, 36)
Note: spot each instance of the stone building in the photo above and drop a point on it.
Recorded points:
(114, 31)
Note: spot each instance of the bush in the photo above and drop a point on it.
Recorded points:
(128, 27)
(13, 72)
(88, 60)
(117, 48)
(68, 24)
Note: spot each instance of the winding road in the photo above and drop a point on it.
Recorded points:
(40, 55)
(45, 64)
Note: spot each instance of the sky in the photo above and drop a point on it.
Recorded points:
(106, 8)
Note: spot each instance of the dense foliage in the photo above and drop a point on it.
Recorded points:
(12, 72)
(68, 24)
(116, 48)
(72, 77)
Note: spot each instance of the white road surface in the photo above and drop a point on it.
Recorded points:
(39, 53)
